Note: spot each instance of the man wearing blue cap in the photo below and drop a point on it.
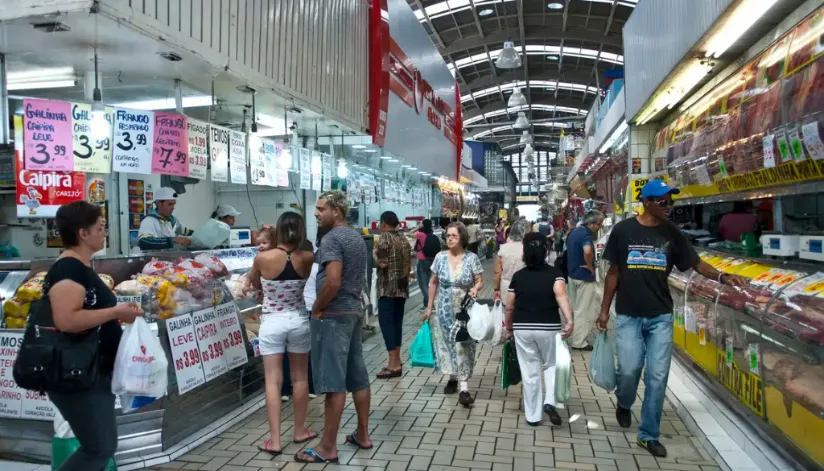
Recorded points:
(641, 252)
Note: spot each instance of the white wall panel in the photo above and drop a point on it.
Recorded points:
(314, 50)
(657, 36)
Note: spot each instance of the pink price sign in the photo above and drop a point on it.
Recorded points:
(47, 135)
(170, 153)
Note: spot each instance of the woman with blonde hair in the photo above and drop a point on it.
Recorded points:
(510, 258)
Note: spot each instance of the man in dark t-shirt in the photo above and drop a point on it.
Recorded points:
(641, 253)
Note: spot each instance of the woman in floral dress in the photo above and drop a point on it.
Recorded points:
(455, 273)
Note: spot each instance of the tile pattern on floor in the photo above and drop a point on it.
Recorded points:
(416, 427)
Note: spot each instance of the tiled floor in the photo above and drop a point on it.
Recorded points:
(416, 427)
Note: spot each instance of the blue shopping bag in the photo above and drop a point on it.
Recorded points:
(602, 363)
(420, 352)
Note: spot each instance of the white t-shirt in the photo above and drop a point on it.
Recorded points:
(310, 291)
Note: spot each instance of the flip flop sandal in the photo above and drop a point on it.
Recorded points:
(316, 458)
(265, 448)
(386, 373)
(353, 439)
(311, 436)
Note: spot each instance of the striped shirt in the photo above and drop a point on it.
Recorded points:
(535, 305)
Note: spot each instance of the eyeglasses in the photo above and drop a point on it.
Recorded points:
(664, 203)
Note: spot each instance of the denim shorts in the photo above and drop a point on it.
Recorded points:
(337, 354)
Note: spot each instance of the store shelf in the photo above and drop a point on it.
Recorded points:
(759, 193)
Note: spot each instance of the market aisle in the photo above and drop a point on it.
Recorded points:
(416, 427)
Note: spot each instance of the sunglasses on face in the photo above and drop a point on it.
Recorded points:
(662, 203)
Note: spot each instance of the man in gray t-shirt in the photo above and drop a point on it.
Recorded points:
(335, 326)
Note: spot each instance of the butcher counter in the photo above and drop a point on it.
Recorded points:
(760, 346)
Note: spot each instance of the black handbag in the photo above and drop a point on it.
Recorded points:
(54, 361)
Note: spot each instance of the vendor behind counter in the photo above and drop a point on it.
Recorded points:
(160, 230)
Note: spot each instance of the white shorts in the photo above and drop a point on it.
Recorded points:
(284, 332)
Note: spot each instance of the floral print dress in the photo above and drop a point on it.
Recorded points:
(454, 359)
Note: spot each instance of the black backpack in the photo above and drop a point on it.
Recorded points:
(431, 247)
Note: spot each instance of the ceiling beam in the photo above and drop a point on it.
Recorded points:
(581, 75)
(496, 39)
(566, 102)
(611, 16)
(431, 26)
(525, 58)
(477, 18)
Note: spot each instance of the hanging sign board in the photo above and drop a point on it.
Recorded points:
(305, 170)
(133, 134)
(317, 169)
(237, 157)
(170, 155)
(47, 135)
(283, 161)
(16, 402)
(327, 172)
(92, 154)
(270, 157)
(198, 152)
(219, 150)
(185, 353)
(257, 160)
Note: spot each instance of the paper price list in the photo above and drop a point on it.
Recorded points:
(208, 339)
(185, 353)
(234, 350)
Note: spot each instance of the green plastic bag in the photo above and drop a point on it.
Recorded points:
(421, 352)
(563, 370)
(62, 448)
(510, 370)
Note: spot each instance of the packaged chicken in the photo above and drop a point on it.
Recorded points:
(15, 323)
(212, 263)
(39, 276)
(108, 280)
(196, 267)
(131, 288)
(157, 267)
(30, 291)
(15, 308)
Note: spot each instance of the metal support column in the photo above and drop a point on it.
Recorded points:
(5, 128)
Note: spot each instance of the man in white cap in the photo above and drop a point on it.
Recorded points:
(225, 213)
(160, 230)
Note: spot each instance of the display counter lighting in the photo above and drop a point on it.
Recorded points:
(682, 83)
(735, 24)
(167, 103)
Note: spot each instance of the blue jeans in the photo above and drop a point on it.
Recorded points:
(638, 339)
(390, 318)
(423, 272)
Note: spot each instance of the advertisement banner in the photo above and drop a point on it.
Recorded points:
(198, 151)
(237, 157)
(47, 135)
(91, 154)
(219, 150)
(133, 134)
(170, 155)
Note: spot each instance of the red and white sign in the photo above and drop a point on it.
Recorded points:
(185, 353)
(41, 192)
(210, 340)
(16, 402)
(234, 350)
(420, 119)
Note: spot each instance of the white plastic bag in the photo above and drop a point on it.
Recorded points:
(498, 319)
(480, 325)
(140, 365)
(210, 234)
(563, 370)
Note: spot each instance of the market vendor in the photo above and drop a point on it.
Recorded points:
(226, 214)
(160, 229)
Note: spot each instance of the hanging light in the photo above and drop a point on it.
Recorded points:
(526, 138)
(516, 99)
(342, 170)
(100, 128)
(528, 151)
(509, 57)
(521, 122)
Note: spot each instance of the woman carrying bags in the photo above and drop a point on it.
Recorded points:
(535, 321)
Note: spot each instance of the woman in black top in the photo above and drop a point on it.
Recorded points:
(81, 301)
(535, 319)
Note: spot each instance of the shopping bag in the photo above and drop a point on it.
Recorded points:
(498, 320)
(420, 352)
(510, 370)
(140, 364)
(602, 363)
(563, 370)
(62, 448)
(480, 325)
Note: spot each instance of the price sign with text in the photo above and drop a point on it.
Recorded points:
(270, 157)
(198, 153)
(185, 353)
(305, 169)
(170, 155)
(210, 342)
(237, 157)
(219, 152)
(92, 151)
(257, 160)
(317, 170)
(47, 135)
(234, 350)
(328, 162)
(133, 134)
(16, 402)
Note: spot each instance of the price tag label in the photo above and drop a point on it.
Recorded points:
(812, 140)
(795, 144)
(769, 151)
(133, 134)
(328, 164)
(16, 402)
(92, 151)
(271, 153)
(171, 145)
(198, 153)
(47, 135)
(305, 170)
(702, 333)
(237, 157)
(783, 146)
(185, 353)
(728, 352)
(219, 150)
(209, 340)
(129, 299)
(233, 346)
(754, 358)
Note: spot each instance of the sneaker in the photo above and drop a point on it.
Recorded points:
(554, 417)
(284, 398)
(451, 387)
(654, 447)
(533, 424)
(623, 416)
(588, 348)
(465, 399)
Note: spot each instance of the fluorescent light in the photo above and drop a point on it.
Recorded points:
(370, 151)
(406, 166)
(555, 6)
(167, 103)
(736, 24)
(413, 168)
(426, 174)
(486, 12)
(614, 136)
(552, 57)
(358, 146)
(51, 77)
(394, 160)
(42, 84)
(384, 157)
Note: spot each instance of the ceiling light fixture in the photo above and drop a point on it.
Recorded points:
(521, 122)
(516, 99)
(736, 24)
(384, 157)
(553, 57)
(100, 128)
(167, 103)
(56, 77)
(406, 166)
(555, 6)
(525, 138)
(486, 12)
(342, 170)
(358, 146)
(370, 151)
(509, 57)
(394, 161)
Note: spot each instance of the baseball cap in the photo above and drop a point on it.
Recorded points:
(656, 188)
(165, 194)
(224, 210)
